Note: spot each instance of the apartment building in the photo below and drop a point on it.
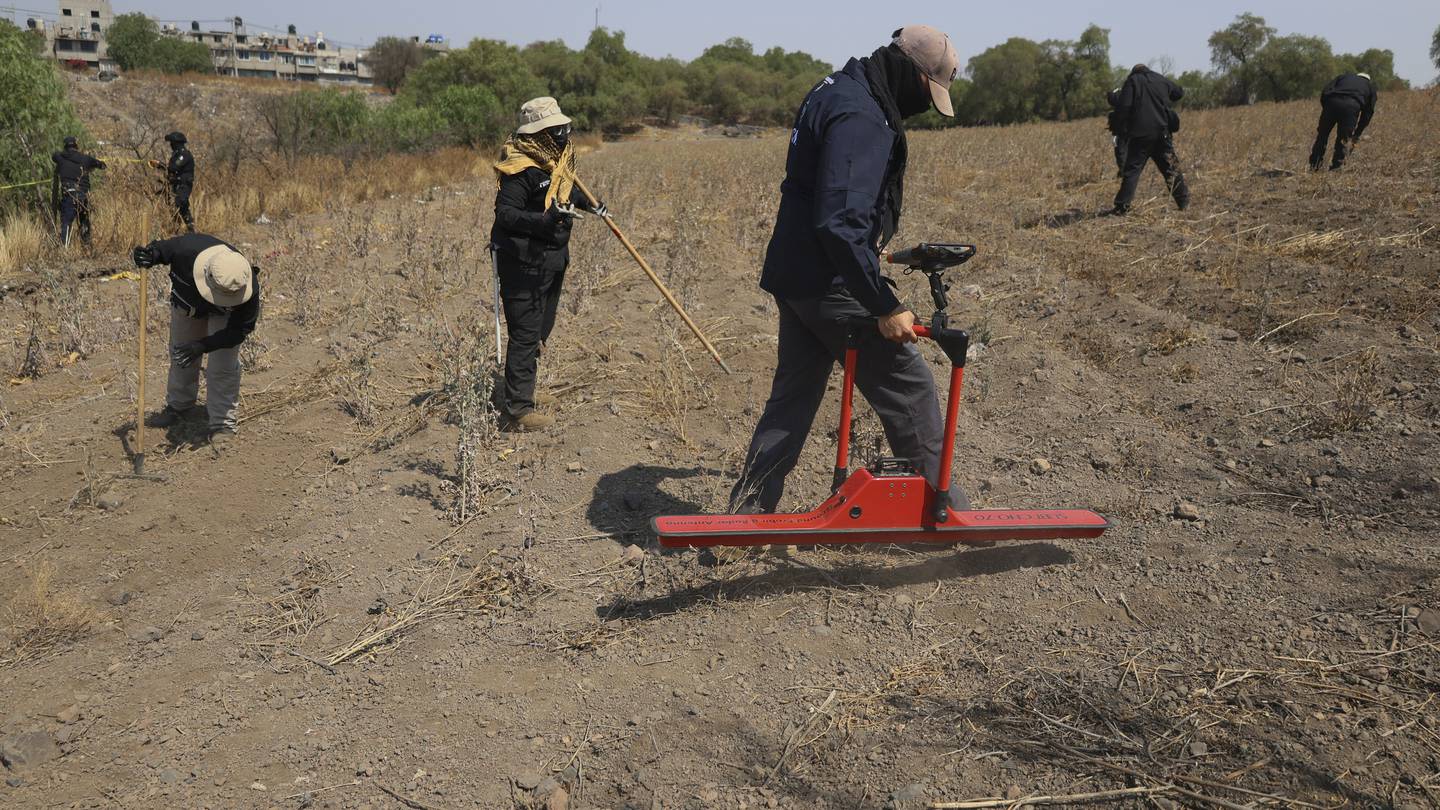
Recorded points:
(76, 37)
(239, 51)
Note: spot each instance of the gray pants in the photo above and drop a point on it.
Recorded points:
(893, 378)
(222, 370)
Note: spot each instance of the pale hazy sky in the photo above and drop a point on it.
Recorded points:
(834, 31)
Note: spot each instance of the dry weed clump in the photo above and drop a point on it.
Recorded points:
(23, 241)
(449, 587)
(1170, 340)
(469, 376)
(673, 389)
(1342, 397)
(355, 390)
(36, 361)
(298, 608)
(41, 620)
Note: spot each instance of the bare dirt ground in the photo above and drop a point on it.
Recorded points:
(378, 601)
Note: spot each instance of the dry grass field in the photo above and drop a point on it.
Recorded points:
(377, 600)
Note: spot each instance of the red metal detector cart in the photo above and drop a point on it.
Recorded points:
(889, 502)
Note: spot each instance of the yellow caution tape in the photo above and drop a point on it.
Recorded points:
(22, 185)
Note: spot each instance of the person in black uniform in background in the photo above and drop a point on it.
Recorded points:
(72, 188)
(1144, 114)
(1346, 104)
(534, 210)
(180, 175)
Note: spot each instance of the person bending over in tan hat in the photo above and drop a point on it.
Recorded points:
(214, 304)
(839, 205)
(534, 210)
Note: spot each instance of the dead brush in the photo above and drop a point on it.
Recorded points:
(255, 355)
(469, 387)
(447, 589)
(355, 389)
(298, 607)
(36, 361)
(71, 308)
(312, 388)
(42, 620)
(1343, 397)
(672, 389)
(357, 230)
(95, 483)
(1097, 348)
(1171, 339)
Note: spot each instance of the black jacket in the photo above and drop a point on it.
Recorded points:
(522, 232)
(832, 200)
(1354, 91)
(181, 169)
(1142, 108)
(180, 254)
(73, 168)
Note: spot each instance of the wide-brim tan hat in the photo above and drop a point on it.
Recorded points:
(540, 113)
(223, 277)
(930, 49)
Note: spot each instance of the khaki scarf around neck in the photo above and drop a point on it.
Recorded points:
(521, 152)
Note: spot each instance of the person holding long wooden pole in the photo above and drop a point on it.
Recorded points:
(214, 306)
(535, 208)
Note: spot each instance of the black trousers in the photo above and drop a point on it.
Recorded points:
(893, 377)
(74, 207)
(1144, 149)
(1340, 116)
(182, 204)
(530, 296)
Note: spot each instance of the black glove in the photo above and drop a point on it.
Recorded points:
(144, 257)
(600, 210)
(185, 354)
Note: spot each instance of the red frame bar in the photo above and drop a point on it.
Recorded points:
(847, 400)
(952, 419)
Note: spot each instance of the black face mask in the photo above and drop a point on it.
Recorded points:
(912, 97)
(559, 137)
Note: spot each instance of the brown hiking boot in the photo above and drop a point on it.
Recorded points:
(528, 422)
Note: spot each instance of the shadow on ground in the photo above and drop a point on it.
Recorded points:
(1063, 219)
(624, 501)
(797, 574)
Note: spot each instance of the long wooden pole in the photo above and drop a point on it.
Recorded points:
(140, 395)
(654, 279)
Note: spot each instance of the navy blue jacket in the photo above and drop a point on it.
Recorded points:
(831, 199)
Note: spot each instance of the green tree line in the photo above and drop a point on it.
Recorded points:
(135, 43)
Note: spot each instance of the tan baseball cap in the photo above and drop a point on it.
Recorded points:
(540, 113)
(931, 51)
(223, 277)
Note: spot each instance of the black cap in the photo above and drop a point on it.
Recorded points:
(70, 142)
(176, 137)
